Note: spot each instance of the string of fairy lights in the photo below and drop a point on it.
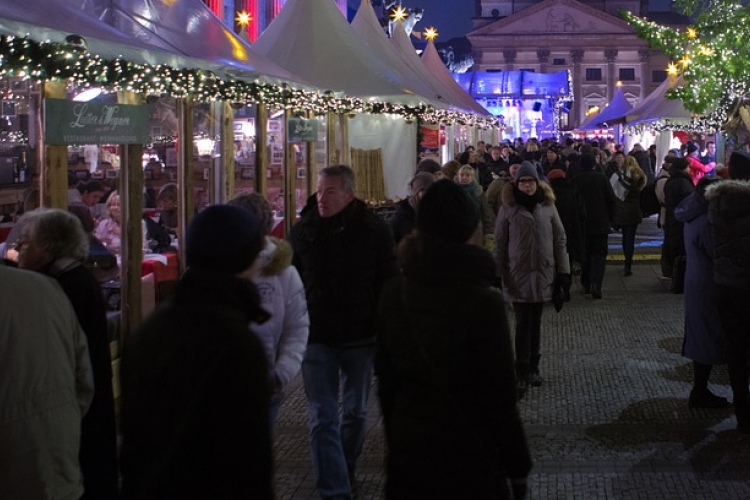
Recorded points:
(711, 56)
(43, 61)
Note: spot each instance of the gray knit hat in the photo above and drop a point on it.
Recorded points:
(527, 169)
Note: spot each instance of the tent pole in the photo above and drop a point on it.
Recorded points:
(185, 171)
(332, 152)
(290, 160)
(227, 159)
(310, 170)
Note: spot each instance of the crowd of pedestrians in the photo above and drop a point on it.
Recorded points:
(422, 301)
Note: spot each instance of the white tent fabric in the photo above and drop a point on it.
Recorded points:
(397, 140)
(313, 39)
(367, 26)
(124, 28)
(616, 108)
(435, 65)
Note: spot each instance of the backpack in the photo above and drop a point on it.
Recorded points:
(649, 202)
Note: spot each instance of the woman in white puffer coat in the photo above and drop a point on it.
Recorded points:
(284, 335)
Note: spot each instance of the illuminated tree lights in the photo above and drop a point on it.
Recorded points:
(41, 61)
(712, 56)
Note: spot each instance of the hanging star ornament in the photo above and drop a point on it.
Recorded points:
(430, 33)
(692, 33)
(673, 69)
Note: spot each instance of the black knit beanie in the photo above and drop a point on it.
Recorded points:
(224, 239)
(448, 213)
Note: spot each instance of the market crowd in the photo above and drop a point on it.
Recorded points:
(421, 301)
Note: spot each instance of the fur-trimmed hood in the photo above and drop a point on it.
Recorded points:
(275, 256)
(727, 187)
(509, 199)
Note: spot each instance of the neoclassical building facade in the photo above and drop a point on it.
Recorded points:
(588, 38)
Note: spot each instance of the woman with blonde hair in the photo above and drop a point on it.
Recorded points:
(627, 180)
(108, 230)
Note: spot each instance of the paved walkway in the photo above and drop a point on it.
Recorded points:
(611, 420)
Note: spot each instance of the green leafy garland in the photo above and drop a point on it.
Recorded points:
(42, 61)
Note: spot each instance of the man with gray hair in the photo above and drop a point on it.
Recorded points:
(344, 254)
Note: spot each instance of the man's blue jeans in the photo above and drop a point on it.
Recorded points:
(336, 442)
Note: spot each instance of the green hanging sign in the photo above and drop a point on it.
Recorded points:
(302, 130)
(71, 122)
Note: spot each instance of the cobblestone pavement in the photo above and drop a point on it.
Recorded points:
(611, 420)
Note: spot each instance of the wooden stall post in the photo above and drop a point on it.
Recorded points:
(227, 153)
(185, 172)
(332, 152)
(131, 199)
(290, 176)
(311, 171)
(261, 150)
(54, 178)
(345, 155)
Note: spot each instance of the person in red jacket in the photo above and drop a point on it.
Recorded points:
(697, 169)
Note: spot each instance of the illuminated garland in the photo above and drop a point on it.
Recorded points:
(712, 56)
(41, 61)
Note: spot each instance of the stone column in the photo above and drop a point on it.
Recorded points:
(510, 59)
(576, 55)
(610, 55)
(543, 58)
(644, 56)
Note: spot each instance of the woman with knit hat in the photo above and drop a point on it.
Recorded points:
(445, 365)
(530, 253)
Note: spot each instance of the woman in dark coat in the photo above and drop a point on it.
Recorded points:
(445, 364)
(55, 244)
(572, 211)
(705, 342)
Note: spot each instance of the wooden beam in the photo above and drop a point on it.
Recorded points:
(311, 171)
(261, 150)
(345, 155)
(131, 200)
(227, 153)
(54, 171)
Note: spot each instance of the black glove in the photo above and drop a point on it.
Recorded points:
(518, 486)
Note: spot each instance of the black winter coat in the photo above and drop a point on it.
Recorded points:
(598, 198)
(729, 215)
(344, 261)
(446, 379)
(195, 396)
(404, 220)
(572, 211)
(678, 187)
(98, 454)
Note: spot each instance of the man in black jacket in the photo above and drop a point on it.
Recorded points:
(729, 215)
(344, 254)
(599, 199)
(195, 388)
(678, 187)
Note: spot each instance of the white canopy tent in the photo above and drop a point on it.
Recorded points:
(457, 95)
(616, 108)
(367, 26)
(313, 39)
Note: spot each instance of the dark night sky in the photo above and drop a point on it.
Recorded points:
(452, 18)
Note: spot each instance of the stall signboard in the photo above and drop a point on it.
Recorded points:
(71, 122)
(302, 130)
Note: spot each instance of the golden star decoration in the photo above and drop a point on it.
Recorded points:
(243, 18)
(672, 69)
(398, 14)
(692, 33)
(430, 33)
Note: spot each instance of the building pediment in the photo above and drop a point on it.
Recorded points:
(555, 17)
